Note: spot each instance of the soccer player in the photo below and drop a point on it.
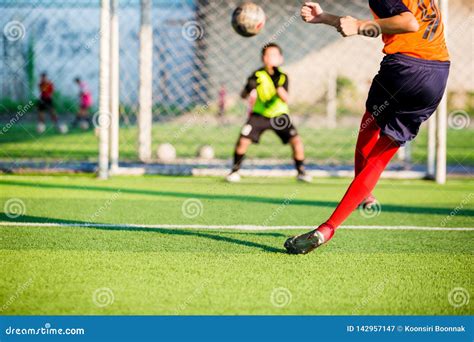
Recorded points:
(45, 104)
(85, 103)
(268, 90)
(406, 92)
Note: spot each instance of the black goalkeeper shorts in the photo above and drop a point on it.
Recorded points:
(257, 124)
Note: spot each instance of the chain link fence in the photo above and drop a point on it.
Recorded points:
(199, 68)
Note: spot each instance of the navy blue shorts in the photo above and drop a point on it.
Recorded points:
(405, 93)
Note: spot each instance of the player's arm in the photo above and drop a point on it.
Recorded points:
(282, 94)
(396, 18)
(249, 87)
(282, 89)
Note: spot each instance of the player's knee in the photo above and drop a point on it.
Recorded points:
(296, 142)
(242, 145)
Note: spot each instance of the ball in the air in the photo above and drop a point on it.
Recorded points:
(206, 152)
(248, 19)
(166, 153)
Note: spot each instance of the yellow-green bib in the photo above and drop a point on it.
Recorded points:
(268, 103)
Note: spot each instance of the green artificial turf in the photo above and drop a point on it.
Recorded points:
(57, 270)
(335, 146)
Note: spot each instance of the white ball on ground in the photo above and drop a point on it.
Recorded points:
(62, 128)
(40, 128)
(166, 153)
(206, 152)
(84, 125)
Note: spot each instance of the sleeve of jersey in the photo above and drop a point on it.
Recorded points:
(251, 84)
(388, 8)
(286, 85)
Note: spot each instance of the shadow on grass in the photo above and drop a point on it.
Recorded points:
(250, 199)
(163, 231)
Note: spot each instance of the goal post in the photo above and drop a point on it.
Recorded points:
(114, 86)
(103, 119)
(442, 115)
(145, 118)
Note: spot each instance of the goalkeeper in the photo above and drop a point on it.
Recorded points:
(268, 89)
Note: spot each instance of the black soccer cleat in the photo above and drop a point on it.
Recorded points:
(304, 244)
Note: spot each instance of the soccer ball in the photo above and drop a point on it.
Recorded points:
(62, 128)
(248, 19)
(166, 153)
(84, 125)
(206, 152)
(40, 128)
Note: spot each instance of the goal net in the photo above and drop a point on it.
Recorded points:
(199, 66)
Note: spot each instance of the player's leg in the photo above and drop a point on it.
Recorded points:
(52, 112)
(297, 147)
(249, 134)
(286, 131)
(369, 133)
(41, 117)
(82, 115)
(41, 126)
(239, 154)
(365, 182)
(54, 116)
(361, 187)
(77, 119)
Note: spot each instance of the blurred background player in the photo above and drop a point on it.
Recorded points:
(45, 103)
(222, 103)
(85, 103)
(410, 85)
(267, 89)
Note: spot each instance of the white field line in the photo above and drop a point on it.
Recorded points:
(223, 227)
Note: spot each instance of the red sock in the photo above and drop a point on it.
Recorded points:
(369, 134)
(364, 182)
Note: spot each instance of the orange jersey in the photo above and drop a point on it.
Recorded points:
(428, 43)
